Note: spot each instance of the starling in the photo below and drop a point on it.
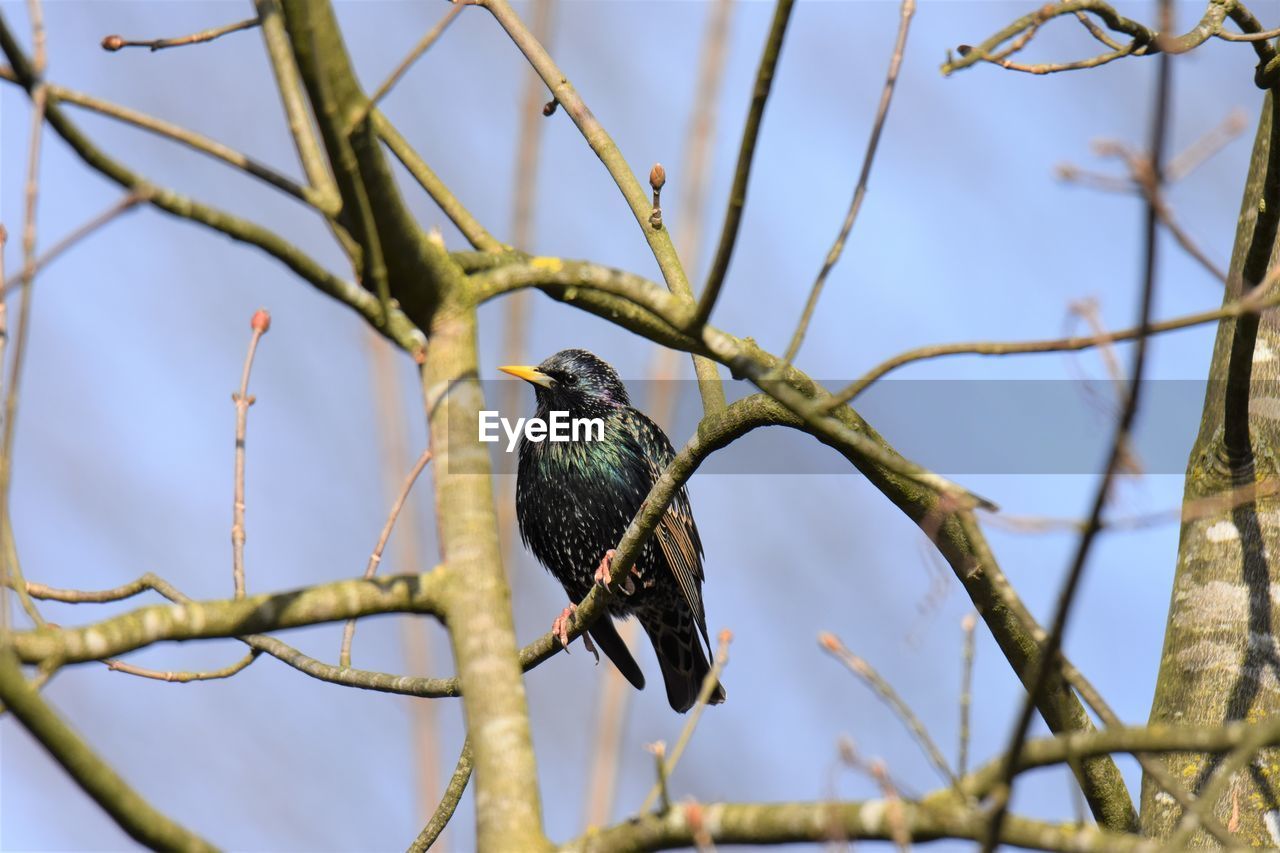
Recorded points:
(574, 500)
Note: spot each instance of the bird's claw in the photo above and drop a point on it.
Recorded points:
(560, 627)
(603, 575)
(560, 630)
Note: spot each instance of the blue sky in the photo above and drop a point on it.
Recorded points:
(124, 458)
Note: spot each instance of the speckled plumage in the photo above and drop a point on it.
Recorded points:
(574, 500)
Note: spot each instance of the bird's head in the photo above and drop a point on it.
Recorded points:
(573, 380)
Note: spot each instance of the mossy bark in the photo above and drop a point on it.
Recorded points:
(481, 630)
(1220, 660)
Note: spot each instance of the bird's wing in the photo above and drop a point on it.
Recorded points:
(677, 537)
(676, 533)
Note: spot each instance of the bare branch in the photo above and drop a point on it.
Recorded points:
(397, 327)
(1262, 298)
(860, 189)
(348, 632)
(330, 602)
(882, 688)
(125, 204)
(113, 43)
(709, 684)
(606, 149)
(405, 64)
(260, 323)
(470, 227)
(182, 677)
(1066, 598)
(779, 823)
(195, 141)
(12, 566)
(967, 625)
(134, 814)
(746, 154)
(452, 795)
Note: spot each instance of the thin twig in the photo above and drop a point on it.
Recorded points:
(616, 694)
(448, 203)
(127, 203)
(1096, 31)
(392, 415)
(284, 67)
(882, 688)
(400, 329)
(39, 95)
(967, 625)
(113, 43)
(95, 776)
(182, 677)
(659, 239)
(1053, 642)
(1265, 35)
(516, 317)
(746, 154)
(448, 804)
(344, 655)
(1190, 158)
(704, 696)
(659, 750)
(195, 141)
(260, 323)
(1139, 181)
(1261, 298)
(701, 132)
(423, 45)
(1077, 65)
(860, 190)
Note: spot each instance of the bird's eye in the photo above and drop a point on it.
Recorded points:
(569, 380)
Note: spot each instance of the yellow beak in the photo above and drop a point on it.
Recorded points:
(529, 374)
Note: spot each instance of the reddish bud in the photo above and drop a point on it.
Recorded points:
(261, 321)
(112, 43)
(549, 108)
(657, 176)
(829, 642)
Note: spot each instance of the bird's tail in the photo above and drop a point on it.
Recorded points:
(681, 657)
(605, 633)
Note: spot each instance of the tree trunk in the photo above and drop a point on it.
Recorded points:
(1220, 658)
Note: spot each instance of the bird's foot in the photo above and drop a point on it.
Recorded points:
(604, 574)
(560, 629)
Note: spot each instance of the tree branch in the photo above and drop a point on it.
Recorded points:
(606, 149)
(331, 602)
(398, 327)
(746, 154)
(820, 822)
(126, 807)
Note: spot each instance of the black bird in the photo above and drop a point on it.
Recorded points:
(574, 500)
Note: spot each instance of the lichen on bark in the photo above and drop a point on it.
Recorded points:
(1220, 659)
